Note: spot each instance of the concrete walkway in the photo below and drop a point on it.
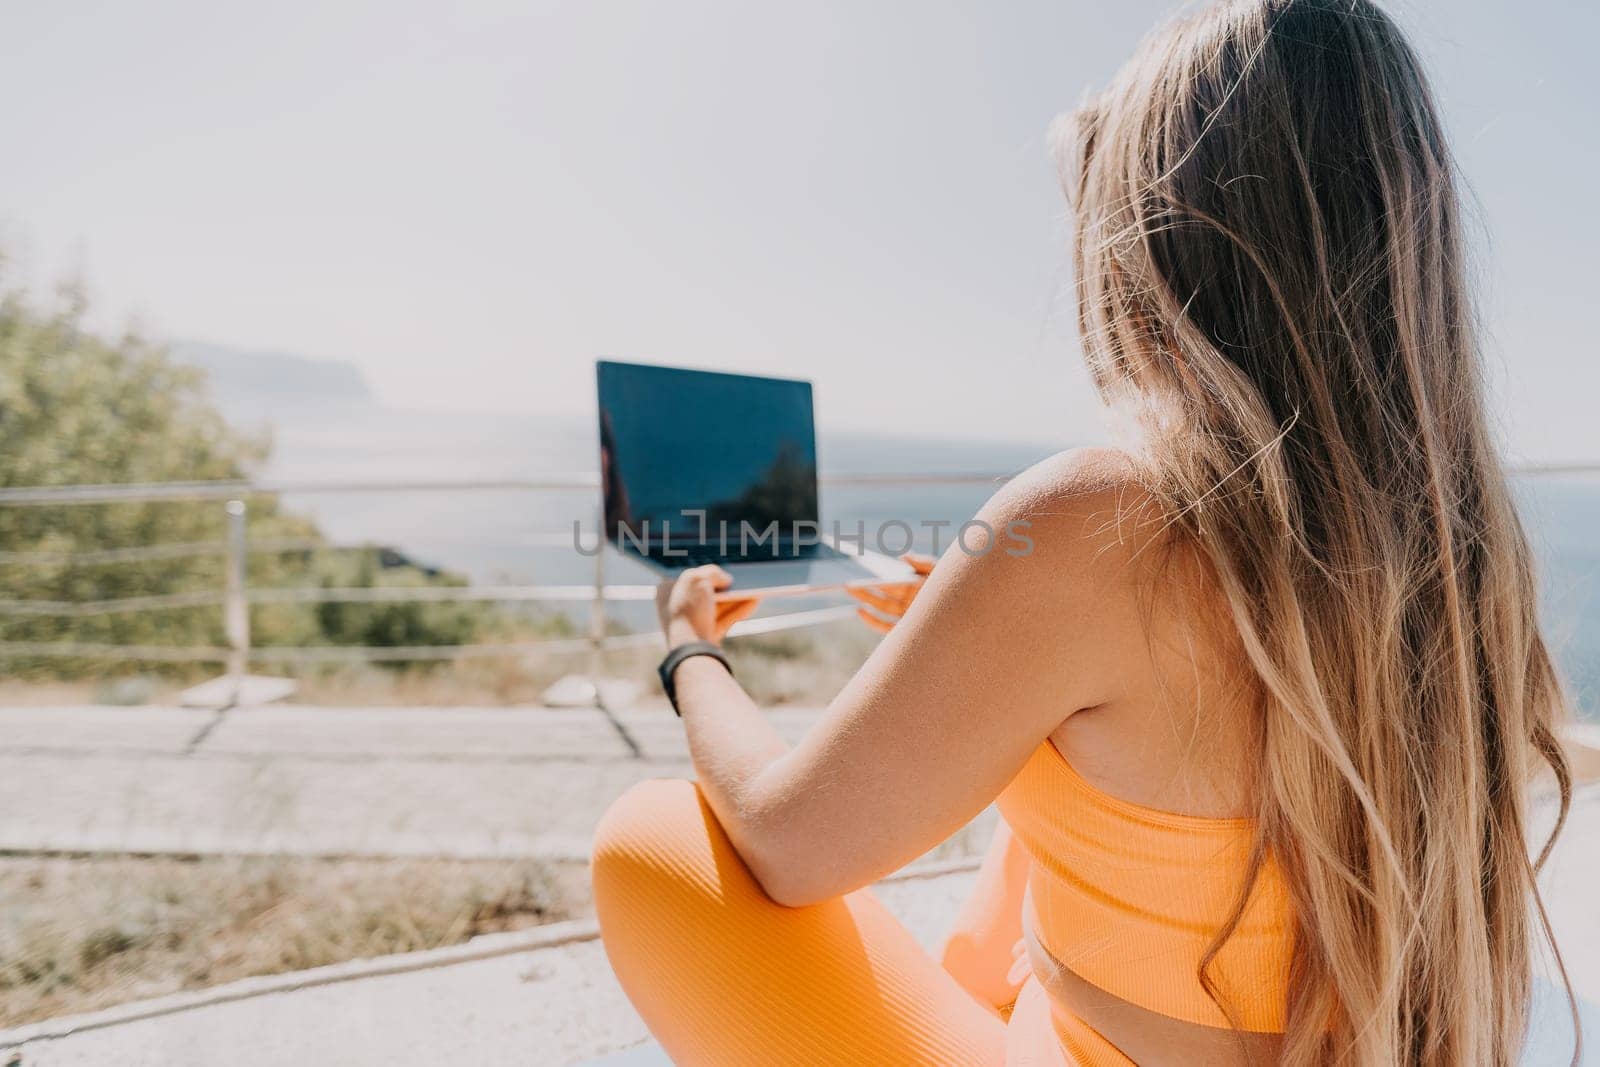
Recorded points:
(456, 782)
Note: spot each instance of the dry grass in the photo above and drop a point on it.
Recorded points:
(16, 693)
(77, 934)
(797, 667)
(801, 666)
(486, 682)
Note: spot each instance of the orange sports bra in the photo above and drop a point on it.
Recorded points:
(1129, 898)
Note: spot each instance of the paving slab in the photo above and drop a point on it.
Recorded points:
(379, 807)
(455, 782)
(97, 728)
(414, 733)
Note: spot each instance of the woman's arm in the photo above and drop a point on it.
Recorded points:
(995, 652)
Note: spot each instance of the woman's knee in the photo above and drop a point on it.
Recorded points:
(657, 840)
(648, 816)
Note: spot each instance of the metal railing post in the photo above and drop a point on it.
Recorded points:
(597, 614)
(597, 640)
(235, 608)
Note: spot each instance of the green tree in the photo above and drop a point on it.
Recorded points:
(76, 408)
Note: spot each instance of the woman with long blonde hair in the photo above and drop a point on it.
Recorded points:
(1260, 707)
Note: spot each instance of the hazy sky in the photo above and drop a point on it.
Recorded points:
(472, 201)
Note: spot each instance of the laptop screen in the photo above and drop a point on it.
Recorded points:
(739, 448)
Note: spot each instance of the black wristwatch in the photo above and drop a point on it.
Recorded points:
(675, 656)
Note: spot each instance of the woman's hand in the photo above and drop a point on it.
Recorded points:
(889, 602)
(689, 608)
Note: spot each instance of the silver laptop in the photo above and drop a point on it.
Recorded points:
(698, 467)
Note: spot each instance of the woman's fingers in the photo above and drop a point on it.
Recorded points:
(688, 604)
(710, 572)
(877, 597)
(883, 626)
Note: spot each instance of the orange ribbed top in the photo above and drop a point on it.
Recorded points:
(1129, 898)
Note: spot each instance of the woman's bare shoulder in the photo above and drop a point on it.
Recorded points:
(1097, 526)
(1090, 500)
(1072, 594)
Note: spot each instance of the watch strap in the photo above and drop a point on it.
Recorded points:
(675, 657)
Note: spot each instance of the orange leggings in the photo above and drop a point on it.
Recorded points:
(722, 975)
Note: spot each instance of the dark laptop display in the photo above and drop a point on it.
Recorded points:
(740, 449)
